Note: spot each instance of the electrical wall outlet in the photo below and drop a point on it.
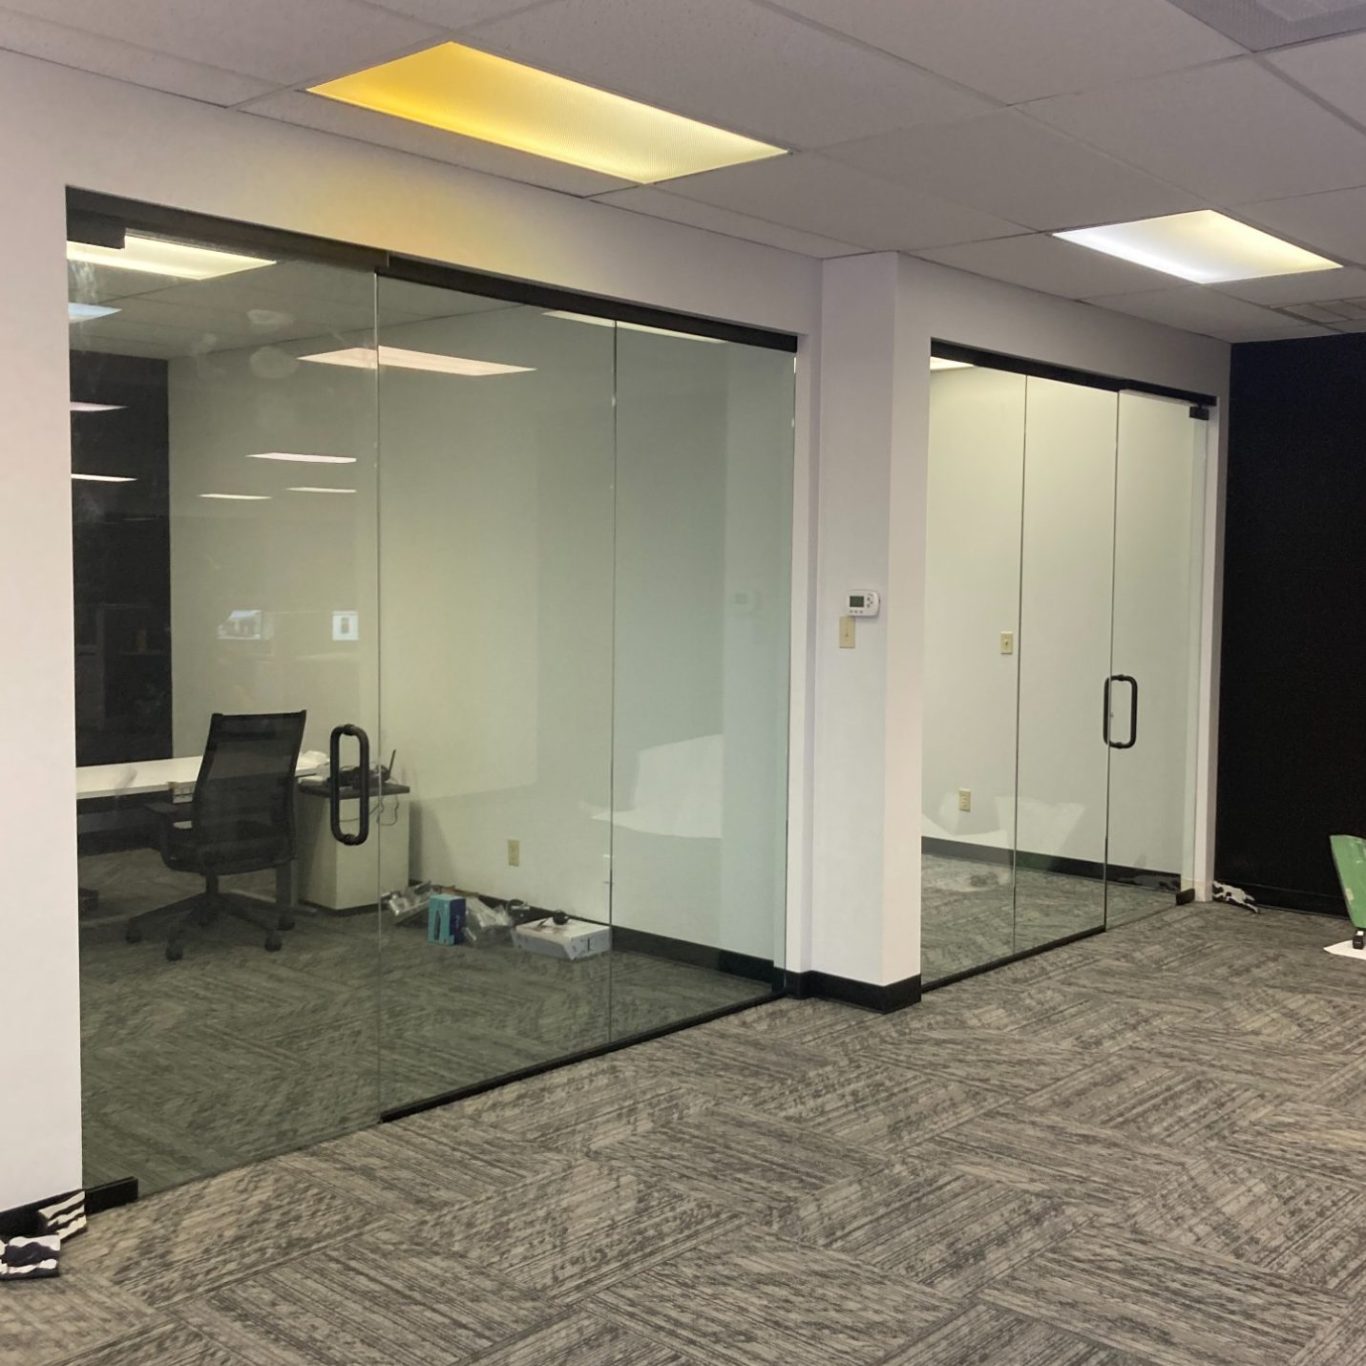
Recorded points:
(514, 853)
(847, 637)
(1007, 642)
(965, 799)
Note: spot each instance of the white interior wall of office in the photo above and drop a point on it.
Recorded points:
(860, 470)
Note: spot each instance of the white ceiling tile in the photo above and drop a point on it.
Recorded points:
(1232, 132)
(734, 64)
(1041, 262)
(1010, 165)
(281, 41)
(330, 116)
(1333, 223)
(830, 199)
(660, 204)
(455, 14)
(124, 62)
(1312, 287)
(1017, 50)
(1334, 70)
(1263, 24)
(1194, 308)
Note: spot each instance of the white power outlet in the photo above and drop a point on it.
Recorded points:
(514, 853)
(965, 799)
(1007, 642)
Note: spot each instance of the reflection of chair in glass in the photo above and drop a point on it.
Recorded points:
(240, 820)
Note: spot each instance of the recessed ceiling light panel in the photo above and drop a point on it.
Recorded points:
(1204, 247)
(463, 90)
(157, 256)
(940, 363)
(399, 358)
(304, 458)
(77, 407)
(239, 497)
(106, 478)
(85, 313)
(318, 488)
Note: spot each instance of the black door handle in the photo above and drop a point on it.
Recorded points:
(362, 785)
(1133, 713)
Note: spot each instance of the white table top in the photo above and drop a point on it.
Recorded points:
(156, 775)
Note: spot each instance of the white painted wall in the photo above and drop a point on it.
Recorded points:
(101, 135)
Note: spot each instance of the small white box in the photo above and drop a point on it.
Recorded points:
(573, 939)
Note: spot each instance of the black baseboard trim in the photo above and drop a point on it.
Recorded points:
(22, 1220)
(1013, 958)
(627, 940)
(1289, 899)
(418, 1107)
(1049, 863)
(884, 999)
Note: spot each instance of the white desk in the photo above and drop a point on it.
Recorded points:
(155, 775)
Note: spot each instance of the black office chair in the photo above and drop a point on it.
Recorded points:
(240, 820)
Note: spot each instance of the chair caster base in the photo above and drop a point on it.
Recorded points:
(132, 935)
(174, 953)
(1359, 940)
(274, 943)
(286, 922)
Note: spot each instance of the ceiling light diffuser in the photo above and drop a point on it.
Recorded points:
(939, 363)
(84, 313)
(239, 497)
(1204, 247)
(630, 327)
(363, 358)
(462, 90)
(310, 488)
(300, 458)
(106, 478)
(157, 256)
(96, 407)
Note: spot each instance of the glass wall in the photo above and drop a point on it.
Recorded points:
(1064, 560)
(535, 562)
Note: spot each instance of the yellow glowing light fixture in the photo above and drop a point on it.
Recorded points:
(1204, 247)
(399, 358)
(462, 90)
(159, 256)
(940, 363)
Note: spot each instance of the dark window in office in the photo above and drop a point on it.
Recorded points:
(121, 559)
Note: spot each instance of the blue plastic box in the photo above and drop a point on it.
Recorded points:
(445, 918)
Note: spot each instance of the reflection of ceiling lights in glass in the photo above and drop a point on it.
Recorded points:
(239, 497)
(310, 488)
(96, 407)
(940, 363)
(630, 327)
(462, 90)
(299, 458)
(1204, 247)
(396, 357)
(157, 256)
(106, 478)
(84, 313)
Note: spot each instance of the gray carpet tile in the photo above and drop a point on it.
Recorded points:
(380, 1299)
(1293, 1223)
(1174, 1306)
(46, 1321)
(586, 1340)
(751, 1300)
(1147, 1148)
(985, 1334)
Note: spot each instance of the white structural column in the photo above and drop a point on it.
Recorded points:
(40, 1154)
(866, 856)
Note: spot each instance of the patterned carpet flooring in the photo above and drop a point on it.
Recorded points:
(1145, 1147)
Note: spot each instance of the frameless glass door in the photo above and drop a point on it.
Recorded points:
(1154, 704)
(223, 506)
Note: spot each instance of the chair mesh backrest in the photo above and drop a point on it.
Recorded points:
(244, 795)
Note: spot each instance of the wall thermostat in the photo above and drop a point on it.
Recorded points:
(867, 602)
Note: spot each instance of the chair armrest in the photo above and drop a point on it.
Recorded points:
(176, 811)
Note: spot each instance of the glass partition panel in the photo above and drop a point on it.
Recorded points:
(1067, 554)
(1159, 542)
(972, 604)
(496, 582)
(703, 567)
(223, 501)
